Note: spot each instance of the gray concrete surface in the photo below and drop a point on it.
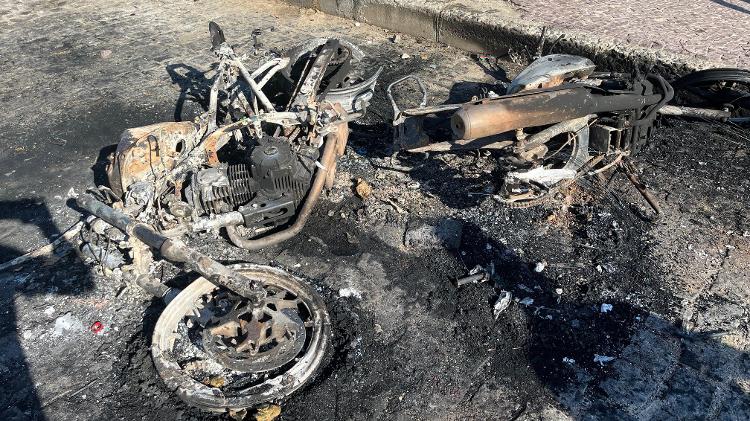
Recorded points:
(672, 36)
(714, 31)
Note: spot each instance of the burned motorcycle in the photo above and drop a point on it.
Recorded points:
(254, 164)
(557, 121)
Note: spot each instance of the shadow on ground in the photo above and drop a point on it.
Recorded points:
(19, 400)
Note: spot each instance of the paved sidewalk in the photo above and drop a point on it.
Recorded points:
(671, 36)
(717, 31)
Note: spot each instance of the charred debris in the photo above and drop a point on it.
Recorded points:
(255, 163)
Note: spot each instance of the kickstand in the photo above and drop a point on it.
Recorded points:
(629, 169)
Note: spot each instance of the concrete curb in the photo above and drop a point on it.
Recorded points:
(495, 27)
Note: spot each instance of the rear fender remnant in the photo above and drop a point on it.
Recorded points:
(354, 99)
(147, 153)
(551, 70)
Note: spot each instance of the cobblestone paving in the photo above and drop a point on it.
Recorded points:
(715, 30)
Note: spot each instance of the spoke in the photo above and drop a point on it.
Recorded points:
(227, 329)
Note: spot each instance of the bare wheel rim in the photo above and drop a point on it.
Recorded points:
(258, 386)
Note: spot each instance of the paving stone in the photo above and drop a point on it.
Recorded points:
(630, 386)
(711, 29)
(734, 282)
(736, 406)
(720, 313)
(601, 411)
(711, 358)
(688, 394)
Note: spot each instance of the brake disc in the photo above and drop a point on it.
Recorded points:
(220, 354)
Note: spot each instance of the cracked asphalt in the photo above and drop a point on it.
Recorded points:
(78, 73)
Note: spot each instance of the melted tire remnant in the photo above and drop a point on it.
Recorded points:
(263, 387)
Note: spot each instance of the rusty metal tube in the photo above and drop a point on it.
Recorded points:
(328, 161)
(175, 250)
(695, 112)
(504, 114)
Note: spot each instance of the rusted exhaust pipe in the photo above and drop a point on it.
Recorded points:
(531, 109)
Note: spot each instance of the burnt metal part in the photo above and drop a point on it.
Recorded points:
(144, 154)
(333, 147)
(219, 189)
(571, 126)
(629, 169)
(354, 98)
(542, 107)
(527, 188)
(267, 194)
(534, 197)
(473, 279)
(408, 132)
(278, 171)
(676, 110)
(253, 385)
(246, 338)
(551, 70)
(217, 221)
(726, 89)
(174, 250)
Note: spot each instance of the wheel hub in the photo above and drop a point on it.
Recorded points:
(255, 339)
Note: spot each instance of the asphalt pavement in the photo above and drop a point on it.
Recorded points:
(76, 74)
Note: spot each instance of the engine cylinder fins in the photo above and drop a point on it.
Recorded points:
(273, 162)
(240, 183)
(278, 170)
(224, 189)
(207, 343)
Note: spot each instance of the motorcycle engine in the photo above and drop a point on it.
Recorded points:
(267, 190)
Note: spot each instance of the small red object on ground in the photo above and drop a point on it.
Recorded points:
(97, 327)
